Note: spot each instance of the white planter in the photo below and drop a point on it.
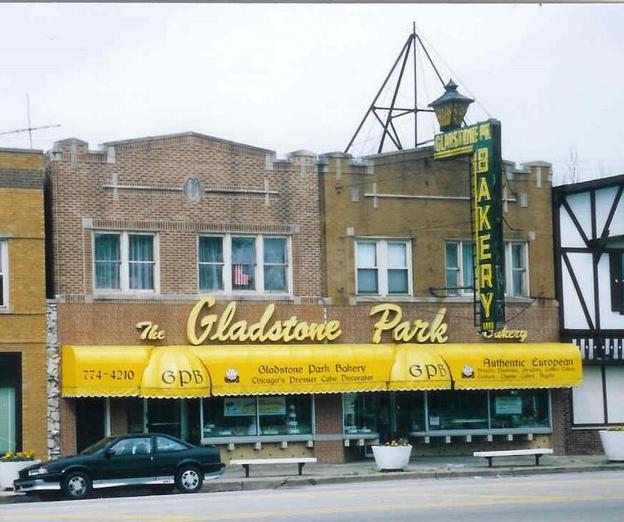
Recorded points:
(392, 457)
(613, 444)
(9, 471)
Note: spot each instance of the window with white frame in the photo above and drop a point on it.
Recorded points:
(459, 267)
(235, 263)
(4, 275)
(125, 261)
(383, 267)
(517, 271)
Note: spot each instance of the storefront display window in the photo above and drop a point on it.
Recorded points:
(450, 410)
(410, 412)
(367, 414)
(257, 416)
(519, 408)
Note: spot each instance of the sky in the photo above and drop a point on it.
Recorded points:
(301, 76)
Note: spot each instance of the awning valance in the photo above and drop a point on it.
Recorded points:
(289, 369)
(204, 371)
(103, 371)
(502, 366)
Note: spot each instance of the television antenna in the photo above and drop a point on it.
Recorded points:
(30, 128)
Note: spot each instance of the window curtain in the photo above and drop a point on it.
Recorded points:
(210, 263)
(397, 268)
(468, 264)
(367, 268)
(141, 257)
(107, 261)
(275, 264)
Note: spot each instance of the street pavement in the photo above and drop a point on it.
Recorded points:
(577, 497)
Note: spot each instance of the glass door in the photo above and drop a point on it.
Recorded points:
(164, 416)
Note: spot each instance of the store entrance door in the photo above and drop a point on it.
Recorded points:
(90, 421)
(165, 416)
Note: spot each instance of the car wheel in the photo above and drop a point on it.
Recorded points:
(189, 479)
(76, 484)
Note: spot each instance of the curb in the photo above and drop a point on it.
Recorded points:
(296, 481)
(250, 484)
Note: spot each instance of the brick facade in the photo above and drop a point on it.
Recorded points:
(138, 185)
(23, 321)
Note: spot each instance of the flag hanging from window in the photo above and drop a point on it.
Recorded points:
(240, 278)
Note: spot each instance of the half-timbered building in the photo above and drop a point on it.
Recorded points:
(589, 257)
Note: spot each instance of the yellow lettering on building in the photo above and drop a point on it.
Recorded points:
(486, 301)
(484, 190)
(226, 329)
(406, 331)
(484, 247)
(483, 221)
(485, 275)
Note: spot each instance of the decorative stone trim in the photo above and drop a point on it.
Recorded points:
(188, 226)
(53, 364)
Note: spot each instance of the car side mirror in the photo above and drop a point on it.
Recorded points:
(109, 453)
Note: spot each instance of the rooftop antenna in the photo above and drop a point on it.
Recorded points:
(30, 128)
(385, 115)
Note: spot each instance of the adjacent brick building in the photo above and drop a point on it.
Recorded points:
(23, 378)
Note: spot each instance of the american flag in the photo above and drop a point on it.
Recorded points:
(240, 278)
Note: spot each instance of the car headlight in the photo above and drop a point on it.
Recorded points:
(37, 471)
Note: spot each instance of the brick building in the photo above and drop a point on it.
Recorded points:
(23, 378)
(396, 228)
(205, 289)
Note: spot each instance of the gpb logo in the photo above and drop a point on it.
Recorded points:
(429, 371)
(182, 378)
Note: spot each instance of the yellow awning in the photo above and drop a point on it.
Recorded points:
(222, 370)
(175, 371)
(103, 371)
(500, 366)
(291, 369)
(419, 367)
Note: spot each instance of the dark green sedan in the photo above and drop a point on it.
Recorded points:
(125, 460)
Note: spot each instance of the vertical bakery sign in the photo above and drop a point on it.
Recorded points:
(482, 142)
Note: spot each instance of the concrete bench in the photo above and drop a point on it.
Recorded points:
(301, 461)
(537, 452)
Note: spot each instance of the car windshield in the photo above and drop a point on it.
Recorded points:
(97, 446)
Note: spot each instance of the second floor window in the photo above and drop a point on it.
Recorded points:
(459, 268)
(516, 259)
(243, 263)
(124, 261)
(4, 276)
(383, 267)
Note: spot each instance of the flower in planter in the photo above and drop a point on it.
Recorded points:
(398, 442)
(20, 456)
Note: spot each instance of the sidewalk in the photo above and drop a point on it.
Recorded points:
(285, 475)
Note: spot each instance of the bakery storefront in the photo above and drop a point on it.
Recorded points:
(271, 385)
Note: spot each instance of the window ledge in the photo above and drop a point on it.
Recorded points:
(192, 297)
(596, 427)
(429, 299)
